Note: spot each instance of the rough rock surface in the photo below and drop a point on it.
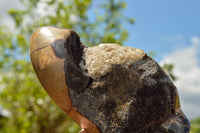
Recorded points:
(119, 89)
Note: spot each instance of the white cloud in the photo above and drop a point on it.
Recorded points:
(73, 18)
(41, 10)
(4, 112)
(187, 69)
(195, 40)
(5, 5)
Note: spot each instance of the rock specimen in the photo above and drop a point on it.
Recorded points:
(107, 88)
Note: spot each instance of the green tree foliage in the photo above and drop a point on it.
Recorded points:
(169, 70)
(195, 126)
(29, 107)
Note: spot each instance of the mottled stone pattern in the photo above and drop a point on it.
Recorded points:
(177, 123)
(97, 61)
(119, 89)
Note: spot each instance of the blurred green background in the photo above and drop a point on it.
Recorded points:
(24, 105)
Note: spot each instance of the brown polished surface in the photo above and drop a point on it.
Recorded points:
(50, 71)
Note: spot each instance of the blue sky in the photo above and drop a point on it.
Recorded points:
(171, 28)
(162, 25)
